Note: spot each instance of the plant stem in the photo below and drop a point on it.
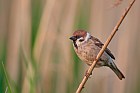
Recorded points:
(6, 77)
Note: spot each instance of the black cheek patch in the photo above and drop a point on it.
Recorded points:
(81, 40)
(74, 42)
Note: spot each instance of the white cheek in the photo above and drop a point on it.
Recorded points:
(78, 42)
(86, 39)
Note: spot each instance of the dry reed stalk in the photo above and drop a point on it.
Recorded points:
(25, 44)
(104, 47)
(13, 42)
(69, 12)
(47, 40)
(47, 52)
(43, 28)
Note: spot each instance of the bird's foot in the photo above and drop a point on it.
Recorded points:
(87, 74)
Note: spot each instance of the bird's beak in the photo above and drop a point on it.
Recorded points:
(73, 38)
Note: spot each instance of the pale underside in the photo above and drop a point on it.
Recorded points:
(86, 52)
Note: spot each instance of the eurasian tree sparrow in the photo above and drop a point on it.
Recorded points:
(87, 47)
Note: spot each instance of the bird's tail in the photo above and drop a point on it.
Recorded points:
(117, 71)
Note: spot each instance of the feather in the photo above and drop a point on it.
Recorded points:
(100, 44)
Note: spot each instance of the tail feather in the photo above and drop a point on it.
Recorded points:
(117, 71)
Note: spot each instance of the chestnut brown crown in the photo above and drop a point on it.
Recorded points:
(78, 34)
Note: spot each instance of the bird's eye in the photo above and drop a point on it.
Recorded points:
(81, 40)
(77, 37)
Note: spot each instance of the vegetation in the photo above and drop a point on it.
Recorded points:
(38, 56)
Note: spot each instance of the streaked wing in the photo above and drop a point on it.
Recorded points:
(100, 44)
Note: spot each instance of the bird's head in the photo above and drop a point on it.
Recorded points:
(79, 37)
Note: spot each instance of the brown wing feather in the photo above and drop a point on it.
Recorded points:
(100, 44)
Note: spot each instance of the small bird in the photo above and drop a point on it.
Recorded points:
(87, 47)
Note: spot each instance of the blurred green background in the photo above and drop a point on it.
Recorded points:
(38, 55)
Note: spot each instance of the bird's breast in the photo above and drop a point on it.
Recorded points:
(86, 53)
